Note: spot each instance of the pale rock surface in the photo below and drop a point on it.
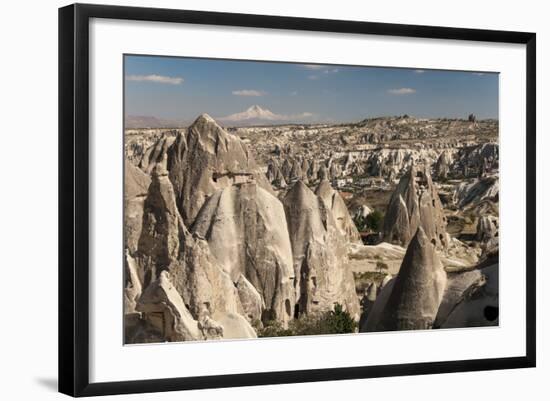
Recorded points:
(322, 274)
(415, 203)
(479, 304)
(387, 278)
(487, 228)
(156, 154)
(469, 194)
(162, 228)
(457, 284)
(136, 185)
(132, 288)
(234, 325)
(206, 159)
(246, 229)
(334, 202)
(251, 300)
(164, 309)
(443, 165)
(362, 211)
(167, 245)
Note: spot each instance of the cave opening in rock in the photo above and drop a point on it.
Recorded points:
(296, 311)
(287, 307)
(491, 313)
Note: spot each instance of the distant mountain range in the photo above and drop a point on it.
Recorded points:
(133, 122)
(254, 115)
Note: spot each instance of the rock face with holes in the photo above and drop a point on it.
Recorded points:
(206, 159)
(246, 230)
(334, 202)
(412, 301)
(415, 203)
(322, 274)
(167, 249)
(164, 310)
(478, 305)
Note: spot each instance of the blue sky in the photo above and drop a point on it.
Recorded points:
(182, 88)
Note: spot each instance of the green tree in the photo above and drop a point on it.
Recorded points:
(374, 220)
(338, 321)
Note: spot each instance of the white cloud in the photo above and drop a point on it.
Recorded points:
(331, 71)
(401, 91)
(160, 79)
(419, 71)
(248, 92)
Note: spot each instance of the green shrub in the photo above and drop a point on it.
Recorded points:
(374, 220)
(336, 321)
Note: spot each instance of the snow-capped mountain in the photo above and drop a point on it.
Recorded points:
(258, 115)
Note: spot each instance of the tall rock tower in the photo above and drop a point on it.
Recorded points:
(415, 203)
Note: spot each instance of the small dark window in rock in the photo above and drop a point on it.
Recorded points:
(287, 307)
(491, 313)
(296, 311)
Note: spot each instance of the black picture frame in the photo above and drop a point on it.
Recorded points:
(74, 198)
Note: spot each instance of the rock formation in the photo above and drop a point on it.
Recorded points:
(136, 185)
(469, 194)
(415, 203)
(443, 164)
(334, 202)
(165, 245)
(205, 159)
(164, 310)
(478, 305)
(156, 154)
(246, 229)
(322, 275)
(487, 228)
(416, 292)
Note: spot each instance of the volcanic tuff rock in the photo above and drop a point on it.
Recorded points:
(457, 284)
(136, 186)
(246, 229)
(470, 194)
(487, 228)
(162, 228)
(163, 308)
(322, 274)
(156, 154)
(416, 292)
(334, 202)
(479, 304)
(132, 286)
(166, 245)
(415, 203)
(443, 164)
(251, 300)
(205, 159)
(367, 301)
